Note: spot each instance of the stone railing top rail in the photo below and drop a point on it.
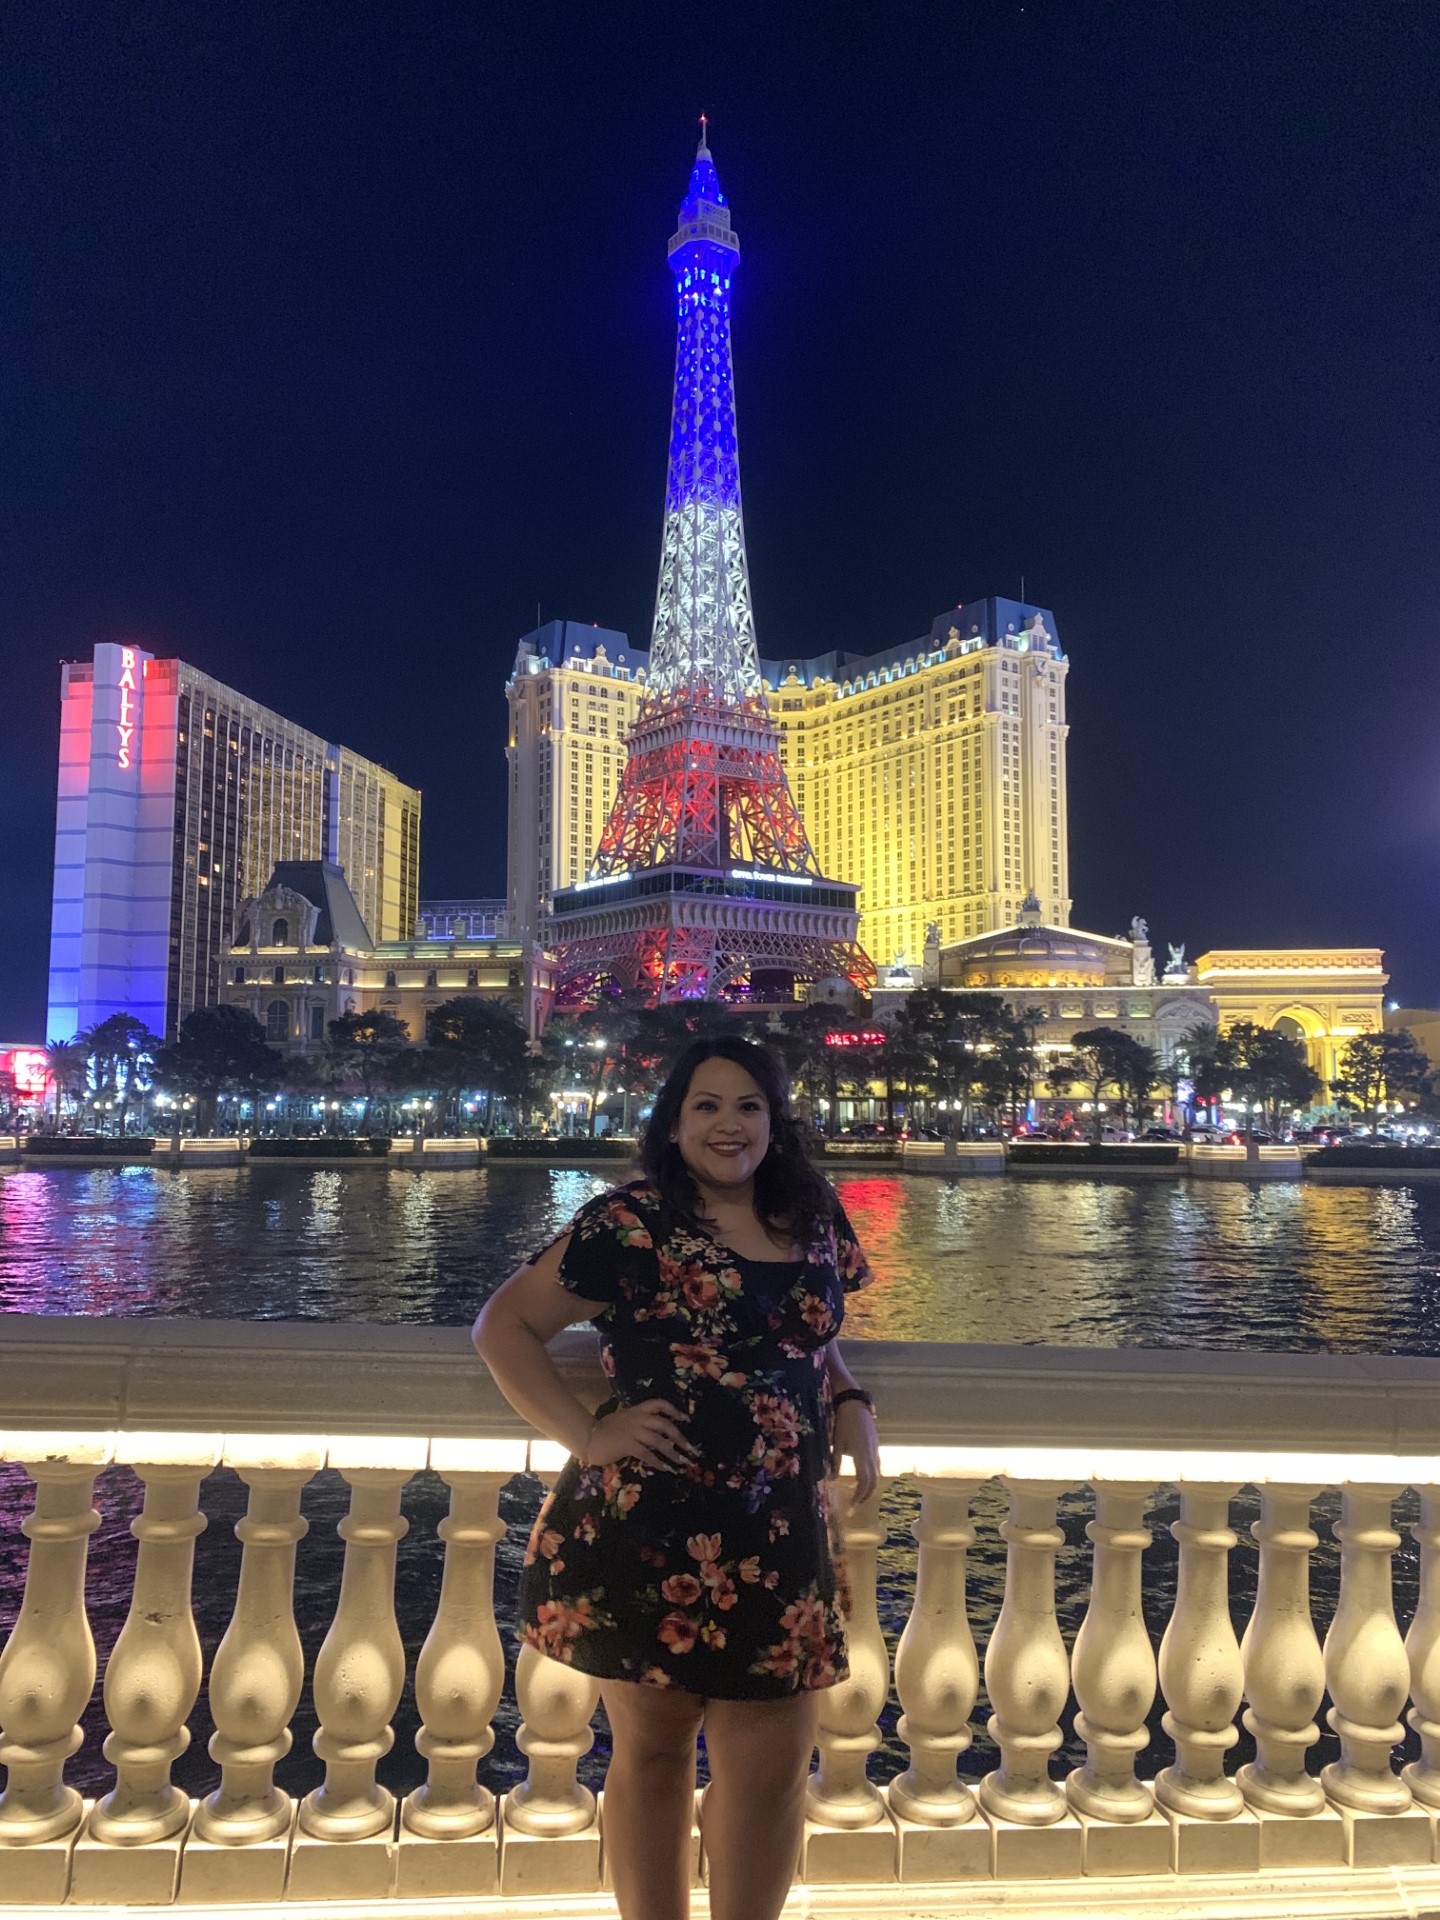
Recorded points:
(976, 1404)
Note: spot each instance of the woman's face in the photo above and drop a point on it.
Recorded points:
(723, 1131)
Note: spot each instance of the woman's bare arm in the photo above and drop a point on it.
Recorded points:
(514, 1329)
(516, 1325)
(855, 1432)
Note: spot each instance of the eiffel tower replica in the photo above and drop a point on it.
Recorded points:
(704, 885)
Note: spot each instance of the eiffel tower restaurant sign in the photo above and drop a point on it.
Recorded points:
(704, 884)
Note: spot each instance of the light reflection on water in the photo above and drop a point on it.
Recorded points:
(1059, 1262)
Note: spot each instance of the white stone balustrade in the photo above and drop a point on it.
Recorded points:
(1123, 1440)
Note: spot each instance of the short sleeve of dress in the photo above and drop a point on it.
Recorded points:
(853, 1268)
(609, 1252)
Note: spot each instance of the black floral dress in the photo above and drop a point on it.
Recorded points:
(722, 1578)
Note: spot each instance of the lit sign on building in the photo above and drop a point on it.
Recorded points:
(30, 1068)
(125, 726)
(865, 1039)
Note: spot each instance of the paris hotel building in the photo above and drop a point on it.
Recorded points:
(932, 774)
(177, 799)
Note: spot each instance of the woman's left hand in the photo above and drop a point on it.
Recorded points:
(855, 1434)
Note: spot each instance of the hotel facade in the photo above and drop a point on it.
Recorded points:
(177, 798)
(302, 956)
(933, 775)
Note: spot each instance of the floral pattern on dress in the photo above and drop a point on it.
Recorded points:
(723, 1578)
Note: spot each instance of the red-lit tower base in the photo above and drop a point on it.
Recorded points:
(705, 885)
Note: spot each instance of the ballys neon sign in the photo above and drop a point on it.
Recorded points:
(125, 726)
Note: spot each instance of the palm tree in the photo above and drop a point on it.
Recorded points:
(68, 1062)
(120, 1050)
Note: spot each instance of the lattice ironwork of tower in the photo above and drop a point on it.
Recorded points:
(704, 883)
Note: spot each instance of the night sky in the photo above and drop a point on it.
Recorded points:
(336, 338)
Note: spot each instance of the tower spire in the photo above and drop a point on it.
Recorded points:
(704, 632)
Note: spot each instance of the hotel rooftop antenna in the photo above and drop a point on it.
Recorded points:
(704, 884)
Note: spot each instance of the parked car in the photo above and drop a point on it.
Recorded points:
(1159, 1133)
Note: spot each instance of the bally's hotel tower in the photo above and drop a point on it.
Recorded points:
(177, 797)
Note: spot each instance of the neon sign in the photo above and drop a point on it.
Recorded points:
(865, 1039)
(125, 726)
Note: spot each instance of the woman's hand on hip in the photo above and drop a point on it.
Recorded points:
(855, 1433)
(650, 1432)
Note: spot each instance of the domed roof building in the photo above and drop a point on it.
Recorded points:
(1064, 979)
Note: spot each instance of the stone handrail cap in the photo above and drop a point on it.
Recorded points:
(42, 1446)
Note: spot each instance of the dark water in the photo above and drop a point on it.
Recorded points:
(1061, 1262)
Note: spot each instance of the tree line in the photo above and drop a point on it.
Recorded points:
(980, 1063)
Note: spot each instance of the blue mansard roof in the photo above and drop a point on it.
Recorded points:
(974, 623)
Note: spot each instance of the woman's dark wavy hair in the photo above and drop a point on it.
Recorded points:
(790, 1195)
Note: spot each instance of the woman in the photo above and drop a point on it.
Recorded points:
(686, 1556)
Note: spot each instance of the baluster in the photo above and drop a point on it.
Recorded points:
(239, 1845)
(130, 1848)
(839, 1797)
(1202, 1679)
(359, 1675)
(1114, 1664)
(937, 1676)
(551, 1835)
(1368, 1676)
(937, 1672)
(556, 1703)
(1284, 1670)
(1365, 1665)
(153, 1675)
(458, 1681)
(47, 1671)
(1422, 1646)
(461, 1669)
(1200, 1670)
(1027, 1674)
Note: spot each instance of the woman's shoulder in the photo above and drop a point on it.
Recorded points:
(629, 1212)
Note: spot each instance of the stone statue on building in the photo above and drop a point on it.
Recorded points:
(1176, 963)
(930, 958)
(1142, 962)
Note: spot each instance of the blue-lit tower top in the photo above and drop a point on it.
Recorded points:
(704, 640)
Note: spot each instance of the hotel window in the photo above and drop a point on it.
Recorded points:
(277, 1021)
(277, 977)
(432, 979)
(472, 978)
(317, 1023)
(239, 976)
(390, 979)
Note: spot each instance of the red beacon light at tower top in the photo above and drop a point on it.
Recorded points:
(871, 1037)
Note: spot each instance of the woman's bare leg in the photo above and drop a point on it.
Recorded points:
(650, 1797)
(754, 1811)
